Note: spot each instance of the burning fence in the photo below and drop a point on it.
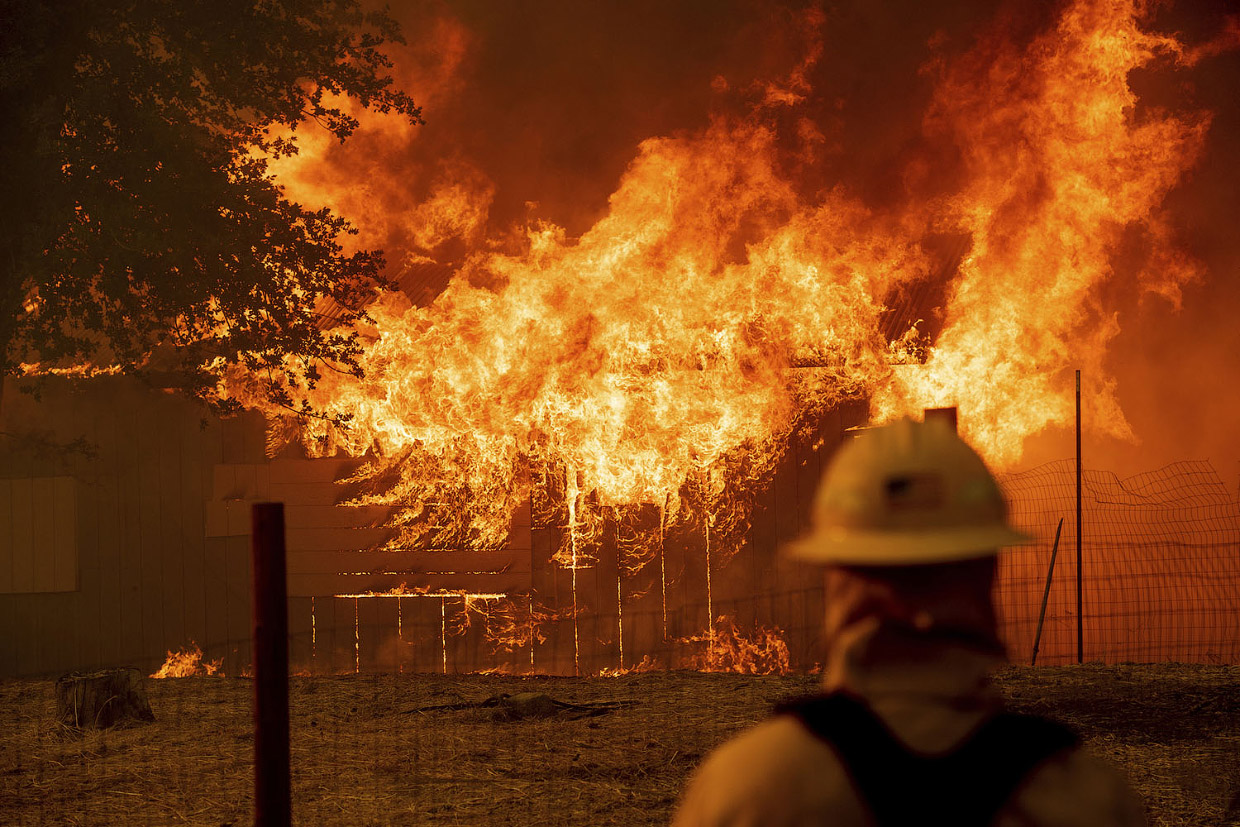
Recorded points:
(632, 587)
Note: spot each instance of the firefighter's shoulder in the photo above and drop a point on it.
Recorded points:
(775, 774)
(1074, 789)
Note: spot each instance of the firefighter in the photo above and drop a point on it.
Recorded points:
(908, 730)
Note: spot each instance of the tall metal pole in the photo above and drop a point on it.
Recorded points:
(1080, 620)
(271, 731)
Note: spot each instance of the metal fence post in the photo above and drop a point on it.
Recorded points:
(1080, 618)
(271, 728)
(1050, 572)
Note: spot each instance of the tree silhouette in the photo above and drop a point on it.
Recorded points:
(139, 226)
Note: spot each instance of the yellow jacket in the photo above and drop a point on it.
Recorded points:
(931, 693)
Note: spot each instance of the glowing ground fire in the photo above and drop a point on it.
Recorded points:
(664, 356)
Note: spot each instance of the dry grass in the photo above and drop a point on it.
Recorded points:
(360, 756)
(1174, 729)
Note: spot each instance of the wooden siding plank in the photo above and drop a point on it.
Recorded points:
(254, 437)
(262, 482)
(403, 645)
(215, 518)
(171, 539)
(543, 567)
(553, 590)
(155, 642)
(331, 539)
(224, 482)
(30, 655)
(521, 537)
(339, 643)
(296, 493)
(88, 471)
(379, 643)
(130, 551)
(239, 516)
(642, 599)
(327, 538)
(458, 626)
(190, 491)
(325, 585)
(43, 531)
(58, 632)
(8, 636)
(114, 605)
(605, 601)
(326, 470)
(334, 516)
(420, 631)
(232, 433)
(59, 611)
(521, 518)
(65, 536)
(299, 634)
(246, 485)
(787, 501)
(239, 610)
(215, 595)
(8, 547)
(23, 536)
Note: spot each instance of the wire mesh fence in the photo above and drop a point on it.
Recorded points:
(1160, 566)
(1159, 578)
(1160, 581)
(395, 718)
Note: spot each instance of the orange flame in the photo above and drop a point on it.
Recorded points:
(683, 336)
(586, 353)
(646, 664)
(728, 650)
(187, 663)
(1060, 166)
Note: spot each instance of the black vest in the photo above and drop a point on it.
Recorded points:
(965, 787)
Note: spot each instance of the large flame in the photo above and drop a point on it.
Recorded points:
(712, 307)
(1060, 164)
(639, 354)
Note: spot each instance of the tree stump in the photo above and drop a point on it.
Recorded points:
(101, 699)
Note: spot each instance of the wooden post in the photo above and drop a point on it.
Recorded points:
(271, 729)
(1046, 593)
(1080, 620)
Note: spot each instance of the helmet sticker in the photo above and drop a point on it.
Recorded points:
(909, 492)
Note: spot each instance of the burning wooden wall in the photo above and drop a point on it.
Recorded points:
(357, 602)
(154, 557)
(139, 546)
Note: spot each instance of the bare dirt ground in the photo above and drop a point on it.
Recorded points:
(366, 750)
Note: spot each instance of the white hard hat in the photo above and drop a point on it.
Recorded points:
(906, 494)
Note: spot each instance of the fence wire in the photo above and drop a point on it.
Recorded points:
(1160, 566)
